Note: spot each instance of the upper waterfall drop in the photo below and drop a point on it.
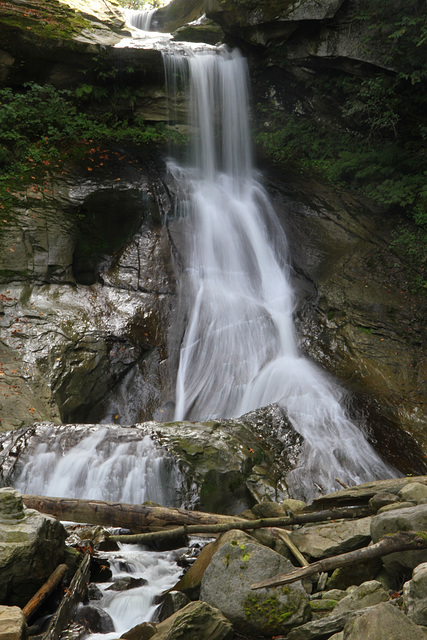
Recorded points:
(239, 350)
(140, 19)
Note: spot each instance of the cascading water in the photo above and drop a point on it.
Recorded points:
(118, 464)
(239, 351)
(111, 463)
(140, 19)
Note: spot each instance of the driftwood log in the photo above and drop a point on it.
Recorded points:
(51, 583)
(75, 594)
(243, 525)
(115, 514)
(143, 518)
(402, 541)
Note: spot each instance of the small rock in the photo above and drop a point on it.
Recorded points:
(94, 619)
(268, 510)
(143, 631)
(94, 592)
(293, 505)
(330, 539)
(126, 583)
(382, 499)
(12, 624)
(344, 577)
(415, 595)
(395, 506)
(173, 601)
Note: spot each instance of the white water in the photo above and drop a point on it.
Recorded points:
(239, 350)
(115, 464)
(100, 468)
(140, 19)
(131, 607)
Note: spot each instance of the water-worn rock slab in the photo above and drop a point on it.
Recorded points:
(409, 519)
(12, 624)
(226, 585)
(332, 539)
(415, 595)
(31, 547)
(383, 622)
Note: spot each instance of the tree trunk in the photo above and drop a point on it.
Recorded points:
(50, 584)
(143, 518)
(402, 541)
(75, 594)
(242, 525)
(135, 517)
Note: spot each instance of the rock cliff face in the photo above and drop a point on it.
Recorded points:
(87, 290)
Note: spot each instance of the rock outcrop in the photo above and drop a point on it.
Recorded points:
(31, 547)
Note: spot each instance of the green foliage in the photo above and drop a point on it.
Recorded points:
(43, 126)
(377, 143)
(47, 19)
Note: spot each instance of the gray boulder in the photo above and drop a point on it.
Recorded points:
(409, 519)
(31, 547)
(332, 539)
(384, 622)
(413, 492)
(366, 595)
(415, 595)
(195, 621)
(226, 584)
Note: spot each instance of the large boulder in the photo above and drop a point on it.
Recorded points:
(326, 540)
(366, 595)
(226, 584)
(31, 547)
(409, 519)
(415, 595)
(195, 621)
(191, 581)
(384, 622)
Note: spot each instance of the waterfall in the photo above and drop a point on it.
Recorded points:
(107, 463)
(239, 350)
(140, 19)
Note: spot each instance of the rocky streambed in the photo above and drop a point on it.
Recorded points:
(382, 598)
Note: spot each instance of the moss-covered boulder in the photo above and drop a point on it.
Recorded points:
(226, 584)
(31, 547)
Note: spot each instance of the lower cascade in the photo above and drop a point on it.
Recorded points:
(238, 350)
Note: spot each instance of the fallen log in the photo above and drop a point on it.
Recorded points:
(75, 594)
(401, 541)
(283, 535)
(145, 518)
(50, 584)
(242, 525)
(135, 517)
